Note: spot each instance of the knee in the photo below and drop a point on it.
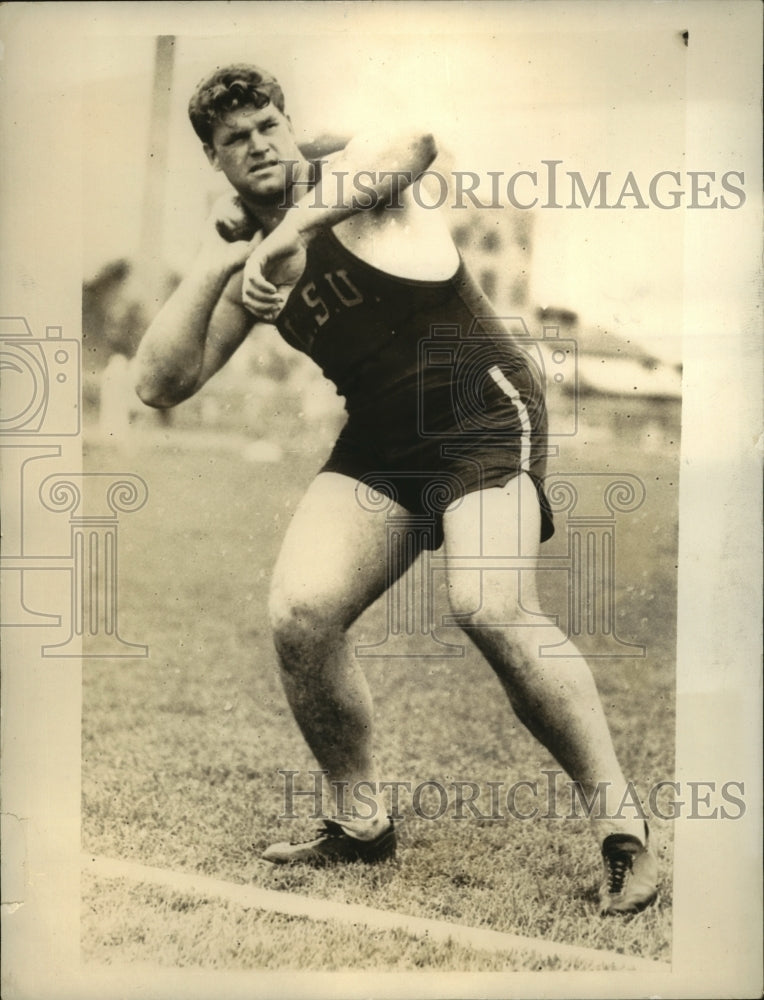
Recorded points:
(301, 628)
(484, 608)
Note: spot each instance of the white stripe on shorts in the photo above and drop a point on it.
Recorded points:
(509, 390)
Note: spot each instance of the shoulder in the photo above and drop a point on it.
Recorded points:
(380, 181)
(408, 241)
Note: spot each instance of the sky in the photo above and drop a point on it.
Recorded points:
(502, 91)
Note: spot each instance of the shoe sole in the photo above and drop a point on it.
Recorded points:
(316, 858)
(636, 908)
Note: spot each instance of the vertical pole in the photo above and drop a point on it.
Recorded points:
(151, 265)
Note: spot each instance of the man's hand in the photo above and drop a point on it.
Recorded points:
(231, 220)
(230, 235)
(272, 271)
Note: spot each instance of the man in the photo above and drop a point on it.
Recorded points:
(360, 282)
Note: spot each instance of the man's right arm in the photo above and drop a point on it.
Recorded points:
(198, 328)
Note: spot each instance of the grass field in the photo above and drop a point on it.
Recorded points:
(181, 751)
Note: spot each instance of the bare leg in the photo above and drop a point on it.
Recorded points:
(333, 564)
(556, 698)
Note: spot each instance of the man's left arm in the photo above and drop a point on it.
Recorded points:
(368, 175)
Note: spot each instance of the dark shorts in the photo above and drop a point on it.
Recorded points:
(424, 446)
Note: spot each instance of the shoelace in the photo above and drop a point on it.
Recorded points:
(618, 866)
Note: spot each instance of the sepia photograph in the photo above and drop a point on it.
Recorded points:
(381, 453)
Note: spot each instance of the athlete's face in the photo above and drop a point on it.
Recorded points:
(254, 149)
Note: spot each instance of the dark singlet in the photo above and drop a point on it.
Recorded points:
(371, 332)
(434, 383)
